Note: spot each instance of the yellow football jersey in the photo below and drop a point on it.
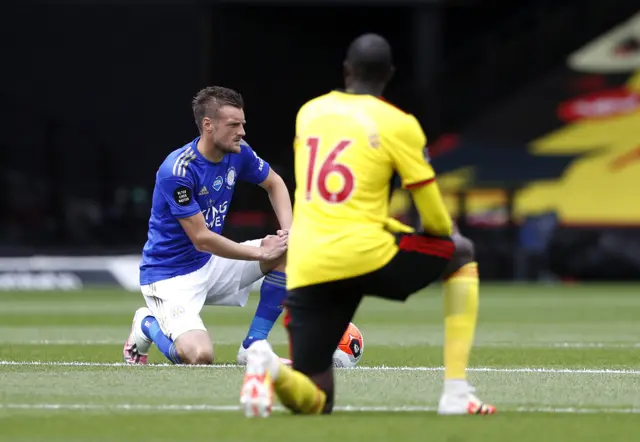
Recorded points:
(346, 149)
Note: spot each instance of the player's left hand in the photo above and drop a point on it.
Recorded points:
(273, 247)
(282, 233)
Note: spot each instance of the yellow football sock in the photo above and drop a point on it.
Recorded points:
(298, 393)
(461, 313)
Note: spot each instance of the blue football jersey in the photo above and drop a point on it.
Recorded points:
(187, 183)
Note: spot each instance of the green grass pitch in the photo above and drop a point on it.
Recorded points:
(559, 362)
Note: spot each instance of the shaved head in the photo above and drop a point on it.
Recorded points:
(369, 60)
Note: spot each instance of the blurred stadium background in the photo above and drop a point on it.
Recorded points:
(531, 107)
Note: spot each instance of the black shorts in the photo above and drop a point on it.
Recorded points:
(317, 315)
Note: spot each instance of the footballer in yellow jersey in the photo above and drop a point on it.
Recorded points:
(347, 148)
(343, 245)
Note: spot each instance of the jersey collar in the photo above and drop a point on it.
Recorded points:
(194, 146)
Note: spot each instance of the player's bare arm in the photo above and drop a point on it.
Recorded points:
(205, 240)
(280, 199)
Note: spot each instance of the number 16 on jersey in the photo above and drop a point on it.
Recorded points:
(328, 166)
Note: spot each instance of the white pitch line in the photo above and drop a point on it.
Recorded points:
(580, 345)
(67, 342)
(91, 342)
(106, 364)
(361, 368)
(511, 370)
(560, 345)
(341, 408)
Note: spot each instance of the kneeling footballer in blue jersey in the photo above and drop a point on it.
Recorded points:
(186, 263)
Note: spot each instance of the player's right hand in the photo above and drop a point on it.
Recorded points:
(273, 247)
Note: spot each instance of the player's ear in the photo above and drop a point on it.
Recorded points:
(207, 125)
(392, 71)
(346, 70)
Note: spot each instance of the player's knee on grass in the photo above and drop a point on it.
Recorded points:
(195, 348)
(463, 255)
(324, 381)
(195, 355)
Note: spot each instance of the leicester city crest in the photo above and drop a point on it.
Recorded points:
(231, 177)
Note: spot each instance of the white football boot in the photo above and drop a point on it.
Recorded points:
(136, 348)
(241, 357)
(256, 396)
(459, 398)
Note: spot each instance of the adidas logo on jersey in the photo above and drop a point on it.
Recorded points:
(204, 191)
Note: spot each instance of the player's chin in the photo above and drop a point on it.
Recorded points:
(234, 147)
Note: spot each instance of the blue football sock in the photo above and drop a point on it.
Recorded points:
(151, 330)
(272, 294)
